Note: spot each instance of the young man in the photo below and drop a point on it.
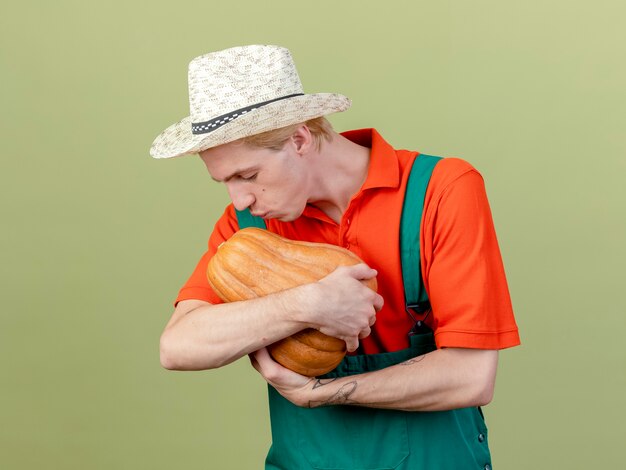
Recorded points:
(268, 142)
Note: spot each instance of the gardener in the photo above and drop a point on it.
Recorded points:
(269, 143)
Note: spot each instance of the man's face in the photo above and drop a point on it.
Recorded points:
(273, 184)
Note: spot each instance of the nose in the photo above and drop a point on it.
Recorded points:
(241, 199)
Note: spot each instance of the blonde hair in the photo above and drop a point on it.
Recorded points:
(275, 139)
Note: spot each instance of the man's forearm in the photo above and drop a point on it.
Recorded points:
(211, 336)
(441, 380)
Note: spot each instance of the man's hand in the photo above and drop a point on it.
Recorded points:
(345, 307)
(292, 386)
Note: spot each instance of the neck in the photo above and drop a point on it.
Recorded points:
(339, 170)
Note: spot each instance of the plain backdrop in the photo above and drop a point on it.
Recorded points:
(97, 237)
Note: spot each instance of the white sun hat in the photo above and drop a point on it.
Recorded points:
(239, 92)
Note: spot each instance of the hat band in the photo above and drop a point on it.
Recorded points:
(209, 126)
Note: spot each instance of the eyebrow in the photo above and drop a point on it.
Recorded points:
(235, 173)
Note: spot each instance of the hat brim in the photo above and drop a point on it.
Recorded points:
(178, 140)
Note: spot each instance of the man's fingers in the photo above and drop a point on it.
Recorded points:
(361, 271)
(365, 333)
(257, 358)
(352, 344)
(378, 302)
(265, 365)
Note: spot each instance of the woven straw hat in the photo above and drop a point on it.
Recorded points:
(240, 92)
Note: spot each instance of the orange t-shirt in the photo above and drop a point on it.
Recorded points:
(460, 259)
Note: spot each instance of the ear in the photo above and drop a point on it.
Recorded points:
(302, 139)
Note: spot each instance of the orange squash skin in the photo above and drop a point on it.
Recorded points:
(255, 262)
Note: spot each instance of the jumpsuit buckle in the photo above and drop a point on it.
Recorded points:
(418, 308)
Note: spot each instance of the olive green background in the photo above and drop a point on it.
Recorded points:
(97, 237)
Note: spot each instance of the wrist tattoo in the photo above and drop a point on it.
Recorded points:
(340, 397)
(413, 360)
(321, 382)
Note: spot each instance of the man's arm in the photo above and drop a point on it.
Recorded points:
(204, 336)
(441, 380)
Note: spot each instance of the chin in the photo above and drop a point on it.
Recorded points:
(287, 217)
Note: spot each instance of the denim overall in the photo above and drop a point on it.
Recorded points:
(346, 437)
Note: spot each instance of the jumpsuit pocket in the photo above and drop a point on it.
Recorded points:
(350, 437)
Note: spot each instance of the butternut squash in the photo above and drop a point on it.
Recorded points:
(255, 263)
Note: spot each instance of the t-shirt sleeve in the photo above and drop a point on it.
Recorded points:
(197, 286)
(465, 279)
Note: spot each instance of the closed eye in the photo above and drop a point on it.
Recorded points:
(249, 178)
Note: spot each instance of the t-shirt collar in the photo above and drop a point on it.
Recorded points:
(383, 169)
